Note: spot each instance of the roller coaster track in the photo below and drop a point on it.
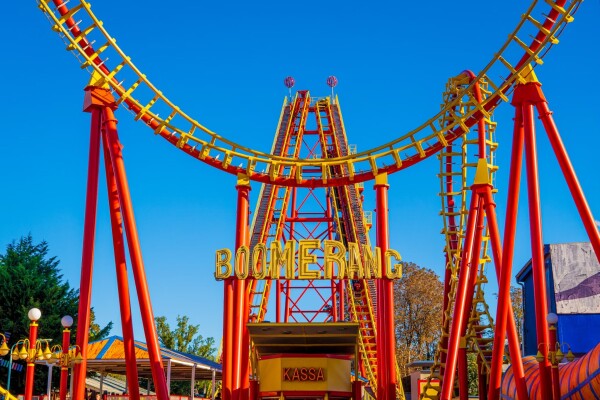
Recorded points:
(81, 30)
(279, 208)
(458, 162)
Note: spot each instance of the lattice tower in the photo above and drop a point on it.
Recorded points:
(457, 163)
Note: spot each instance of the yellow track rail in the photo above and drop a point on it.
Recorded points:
(455, 187)
(81, 29)
(273, 199)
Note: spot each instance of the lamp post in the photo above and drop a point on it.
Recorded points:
(4, 347)
(65, 357)
(13, 356)
(555, 355)
(552, 319)
(24, 352)
(4, 350)
(66, 322)
(34, 315)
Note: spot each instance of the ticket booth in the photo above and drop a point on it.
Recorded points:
(305, 361)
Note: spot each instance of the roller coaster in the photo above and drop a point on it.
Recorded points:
(312, 185)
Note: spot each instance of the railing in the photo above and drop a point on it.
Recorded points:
(153, 397)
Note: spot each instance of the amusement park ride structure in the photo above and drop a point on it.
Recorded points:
(312, 187)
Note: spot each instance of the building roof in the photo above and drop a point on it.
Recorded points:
(108, 356)
(305, 338)
(524, 272)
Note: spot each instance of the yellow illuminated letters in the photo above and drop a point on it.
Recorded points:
(283, 259)
(275, 262)
(223, 264)
(259, 261)
(334, 257)
(395, 271)
(242, 262)
(372, 264)
(306, 257)
(355, 265)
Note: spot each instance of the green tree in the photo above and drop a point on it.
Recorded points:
(516, 299)
(29, 278)
(418, 302)
(96, 331)
(185, 338)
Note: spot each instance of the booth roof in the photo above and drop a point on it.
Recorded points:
(304, 338)
(108, 356)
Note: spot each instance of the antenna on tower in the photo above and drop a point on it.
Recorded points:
(332, 82)
(289, 83)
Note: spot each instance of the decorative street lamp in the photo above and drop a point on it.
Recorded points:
(64, 356)
(34, 315)
(4, 350)
(23, 353)
(555, 355)
(66, 322)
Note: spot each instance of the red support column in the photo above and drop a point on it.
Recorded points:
(357, 390)
(34, 314)
(278, 290)
(509, 321)
(227, 352)
(380, 339)
(64, 365)
(241, 340)
(481, 376)
(95, 98)
(114, 148)
(503, 263)
(552, 320)
(570, 176)
(463, 373)
(116, 220)
(459, 305)
(386, 368)
(537, 248)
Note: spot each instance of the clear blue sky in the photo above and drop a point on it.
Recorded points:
(224, 63)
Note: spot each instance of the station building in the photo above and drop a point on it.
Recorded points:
(573, 291)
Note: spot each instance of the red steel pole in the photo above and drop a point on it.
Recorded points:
(116, 220)
(380, 314)
(380, 339)
(385, 310)
(278, 290)
(241, 341)
(510, 326)
(64, 365)
(570, 176)
(555, 376)
(463, 373)
(463, 378)
(537, 248)
(87, 258)
(227, 352)
(503, 263)
(29, 374)
(459, 305)
(114, 148)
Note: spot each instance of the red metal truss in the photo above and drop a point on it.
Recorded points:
(313, 128)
